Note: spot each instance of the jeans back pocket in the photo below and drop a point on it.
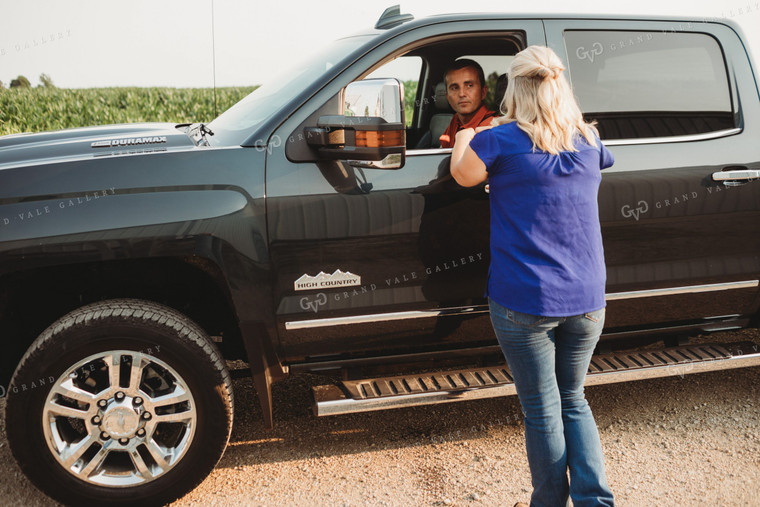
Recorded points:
(595, 316)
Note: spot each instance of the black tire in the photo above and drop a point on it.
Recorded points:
(170, 354)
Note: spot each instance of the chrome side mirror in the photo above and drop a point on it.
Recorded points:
(371, 132)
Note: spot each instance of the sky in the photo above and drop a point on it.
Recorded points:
(98, 43)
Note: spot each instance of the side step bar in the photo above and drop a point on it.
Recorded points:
(489, 382)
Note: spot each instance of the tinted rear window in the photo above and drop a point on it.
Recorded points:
(650, 84)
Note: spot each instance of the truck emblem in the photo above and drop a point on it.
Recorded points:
(325, 281)
(115, 143)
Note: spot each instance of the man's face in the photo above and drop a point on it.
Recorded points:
(464, 92)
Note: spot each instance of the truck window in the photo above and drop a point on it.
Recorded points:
(421, 70)
(406, 69)
(650, 84)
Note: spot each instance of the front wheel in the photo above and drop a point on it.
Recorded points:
(120, 402)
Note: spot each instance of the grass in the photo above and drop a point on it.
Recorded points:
(40, 109)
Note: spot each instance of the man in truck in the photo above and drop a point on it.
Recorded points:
(465, 90)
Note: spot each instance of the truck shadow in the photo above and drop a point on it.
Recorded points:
(625, 407)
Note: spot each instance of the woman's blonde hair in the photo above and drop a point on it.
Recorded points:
(540, 100)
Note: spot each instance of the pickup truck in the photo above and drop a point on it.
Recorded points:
(315, 227)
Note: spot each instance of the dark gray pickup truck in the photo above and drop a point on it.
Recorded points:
(314, 227)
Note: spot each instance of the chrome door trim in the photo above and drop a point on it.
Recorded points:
(428, 151)
(384, 317)
(615, 296)
(673, 139)
(690, 289)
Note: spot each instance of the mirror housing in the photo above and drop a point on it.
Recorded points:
(375, 139)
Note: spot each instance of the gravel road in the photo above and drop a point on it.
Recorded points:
(681, 441)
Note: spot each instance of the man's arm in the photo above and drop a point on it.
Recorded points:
(466, 167)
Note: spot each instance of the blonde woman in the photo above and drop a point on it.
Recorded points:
(547, 274)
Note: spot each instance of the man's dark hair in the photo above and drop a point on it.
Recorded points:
(463, 63)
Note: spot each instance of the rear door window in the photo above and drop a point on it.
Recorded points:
(650, 84)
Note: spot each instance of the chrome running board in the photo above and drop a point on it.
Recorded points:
(366, 395)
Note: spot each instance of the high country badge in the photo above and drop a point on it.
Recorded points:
(325, 281)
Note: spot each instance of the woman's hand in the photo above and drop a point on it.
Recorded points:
(464, 136)
(466, 168)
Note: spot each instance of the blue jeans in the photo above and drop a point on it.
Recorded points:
(548, 358)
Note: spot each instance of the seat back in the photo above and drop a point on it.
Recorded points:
(501, 88)
(439, 121)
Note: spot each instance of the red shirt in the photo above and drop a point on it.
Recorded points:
(482, 118)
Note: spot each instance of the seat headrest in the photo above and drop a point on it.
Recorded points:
(501, 88)
(439, 97)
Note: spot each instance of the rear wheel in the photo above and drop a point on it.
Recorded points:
(123, 401)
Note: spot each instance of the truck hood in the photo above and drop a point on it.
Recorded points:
(91, 142)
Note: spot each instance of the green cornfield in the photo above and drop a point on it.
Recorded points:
(39, 109)
(410, 94)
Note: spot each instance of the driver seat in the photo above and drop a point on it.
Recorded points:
(439, 121)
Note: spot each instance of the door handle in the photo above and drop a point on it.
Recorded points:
(735, 175)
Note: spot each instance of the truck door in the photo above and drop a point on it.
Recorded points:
(406, 250)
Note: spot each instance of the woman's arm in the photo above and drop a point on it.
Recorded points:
(466, 168)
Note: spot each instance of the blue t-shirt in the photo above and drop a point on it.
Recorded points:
(546, 243)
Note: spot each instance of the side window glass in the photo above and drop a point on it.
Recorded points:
(650, 84)
(406, 69)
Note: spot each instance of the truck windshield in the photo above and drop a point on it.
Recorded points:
(236, 124)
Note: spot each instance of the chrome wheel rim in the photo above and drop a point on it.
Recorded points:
(119, 418)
